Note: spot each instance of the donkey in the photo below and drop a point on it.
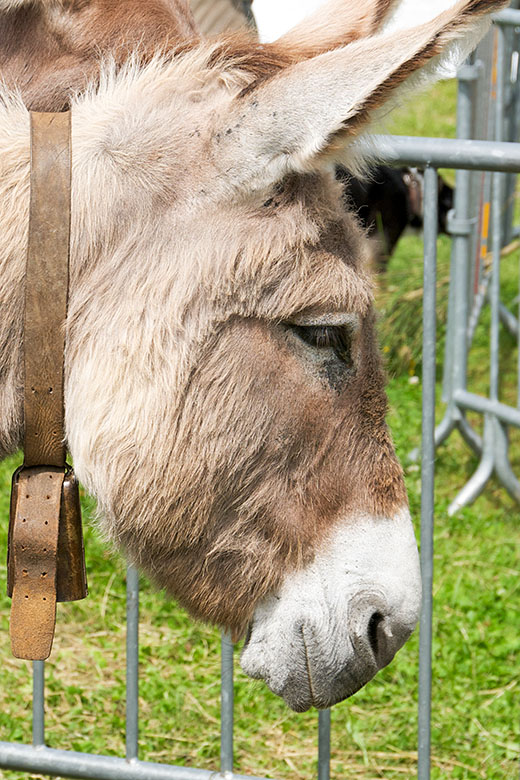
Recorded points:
(224, 394)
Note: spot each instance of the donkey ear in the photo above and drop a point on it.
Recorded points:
(315, 26)
(310, 112)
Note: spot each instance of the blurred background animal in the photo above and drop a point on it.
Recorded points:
(387, 201)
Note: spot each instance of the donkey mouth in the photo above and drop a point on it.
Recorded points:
(293, 681)
(321, 686)
(306, 680)
(306, 674)
(311, 667)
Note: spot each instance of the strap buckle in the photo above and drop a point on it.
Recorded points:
(46, 560)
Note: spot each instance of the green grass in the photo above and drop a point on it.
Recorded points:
(416, 116)
(476, 689)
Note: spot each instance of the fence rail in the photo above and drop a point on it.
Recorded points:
(448, 153)
(71, 764)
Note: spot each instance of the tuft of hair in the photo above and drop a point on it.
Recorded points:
(8, 6)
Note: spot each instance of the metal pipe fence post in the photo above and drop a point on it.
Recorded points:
(498, 204)
(510, 126)
(226, 704)
(502, 466)
(324, 745)
(460, 227)
(428, 468)
(38, 727)
(132, 663)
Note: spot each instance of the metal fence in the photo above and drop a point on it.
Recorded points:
(464, 155)
(488, 107)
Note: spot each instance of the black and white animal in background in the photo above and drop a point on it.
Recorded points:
(388, 200)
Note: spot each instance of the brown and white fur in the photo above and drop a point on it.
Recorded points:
(238, 454)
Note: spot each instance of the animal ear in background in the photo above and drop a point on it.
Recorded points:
(309, 113)
(316, 26)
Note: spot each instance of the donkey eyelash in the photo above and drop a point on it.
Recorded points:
(336, 337)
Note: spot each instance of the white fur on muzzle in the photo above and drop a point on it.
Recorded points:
(334, 624)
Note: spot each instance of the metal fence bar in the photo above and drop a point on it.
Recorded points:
(427, 469)
(498, 199)
(461, 256)
(502, 465)
(448, 153)
(226, 704)
(69, 763)
(478, 403)
(132, 663)
(509, 17)
(324, 745)
(466, 75)
(38, 724)
(498, 196)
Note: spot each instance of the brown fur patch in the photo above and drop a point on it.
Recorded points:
(383, 9)
(51, 53)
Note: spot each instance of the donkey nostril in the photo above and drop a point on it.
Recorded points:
(373, 633)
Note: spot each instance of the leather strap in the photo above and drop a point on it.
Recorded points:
(35, 551)
(36, 514)
(47, 288)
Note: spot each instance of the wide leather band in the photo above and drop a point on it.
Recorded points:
(47, 288)
(45, 557)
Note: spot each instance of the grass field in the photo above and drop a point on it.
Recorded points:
(476, 690)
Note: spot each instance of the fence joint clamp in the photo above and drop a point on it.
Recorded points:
(460, 227)
(470, 72)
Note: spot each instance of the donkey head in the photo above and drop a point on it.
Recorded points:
(224, 396)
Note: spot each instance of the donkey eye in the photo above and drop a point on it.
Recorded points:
(336, 337)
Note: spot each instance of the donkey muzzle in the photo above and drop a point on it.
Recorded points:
(334, 624)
